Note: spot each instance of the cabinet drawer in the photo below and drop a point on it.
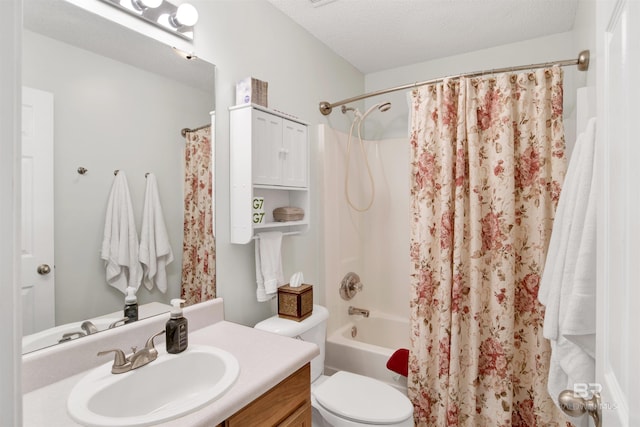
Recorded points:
(300, 418)
(278, 404)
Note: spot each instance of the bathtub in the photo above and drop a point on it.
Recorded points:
(366, 353)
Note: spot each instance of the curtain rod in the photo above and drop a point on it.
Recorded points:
(184, 131)
(582, 62)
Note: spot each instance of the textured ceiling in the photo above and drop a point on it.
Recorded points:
(376, 35)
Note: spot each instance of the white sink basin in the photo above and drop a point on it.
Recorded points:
(171, 386)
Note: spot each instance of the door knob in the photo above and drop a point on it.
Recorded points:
(574, 405)
(44, 269)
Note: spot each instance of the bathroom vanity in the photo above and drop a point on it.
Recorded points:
(272, 388)
(288, 404)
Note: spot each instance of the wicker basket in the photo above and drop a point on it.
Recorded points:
(288, 213)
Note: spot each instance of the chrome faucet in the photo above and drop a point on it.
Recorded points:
(88, 327)
(360, 311)
(136, 359)
(71, 335)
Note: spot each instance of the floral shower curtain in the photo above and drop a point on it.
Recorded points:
(488, 161)
(199, 251)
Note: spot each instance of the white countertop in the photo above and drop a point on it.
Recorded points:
(265, 359)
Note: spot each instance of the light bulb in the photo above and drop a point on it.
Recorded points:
(146, 4)
(186, 16)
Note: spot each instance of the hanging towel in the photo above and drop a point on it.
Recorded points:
(269, 273)
(568, 284)
(399, 362)
(120, 240)
(155, 249)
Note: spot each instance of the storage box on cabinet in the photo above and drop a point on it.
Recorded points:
(269, 159)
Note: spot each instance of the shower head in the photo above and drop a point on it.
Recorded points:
(385, 106)
(382, 107)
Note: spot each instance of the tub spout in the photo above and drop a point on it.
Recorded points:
(360, 311)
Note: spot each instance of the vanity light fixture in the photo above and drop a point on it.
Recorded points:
(145, 4)
(178, 20)
(186, 15)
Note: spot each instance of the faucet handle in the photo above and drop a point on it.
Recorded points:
(114, 324)
(120, 362)
(71, 335)
(89, 327)
(149, 345)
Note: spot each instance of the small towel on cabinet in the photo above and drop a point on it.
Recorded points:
(568, 284)
(155, 249)
(120, 238)
(269, 273)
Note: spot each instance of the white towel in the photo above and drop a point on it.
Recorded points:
(155, 249)
(120, 240)
(568, 284)
(269, 273)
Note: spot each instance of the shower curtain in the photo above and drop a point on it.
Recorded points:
(199, 252)
(487, 165)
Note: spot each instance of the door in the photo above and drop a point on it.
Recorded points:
(38, 278)
(618, 316)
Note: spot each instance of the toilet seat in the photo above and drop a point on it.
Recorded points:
(362, 399)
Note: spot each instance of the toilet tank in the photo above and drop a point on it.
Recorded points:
(312, 329)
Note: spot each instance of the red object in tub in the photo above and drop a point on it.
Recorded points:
(399, 362)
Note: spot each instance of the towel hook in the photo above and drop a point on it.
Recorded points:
(146, 174)
(82, 170)
(115, 172)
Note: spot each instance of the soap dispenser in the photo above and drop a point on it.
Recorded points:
(177, 337)
(131, 305)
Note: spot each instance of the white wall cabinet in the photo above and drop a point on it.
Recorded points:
(269, 159)
(280, 150)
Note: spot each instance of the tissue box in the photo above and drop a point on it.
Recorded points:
(295, 303)
(251, 91)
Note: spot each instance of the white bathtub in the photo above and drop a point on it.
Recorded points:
(377, 337)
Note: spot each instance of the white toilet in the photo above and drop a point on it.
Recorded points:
(343, 399)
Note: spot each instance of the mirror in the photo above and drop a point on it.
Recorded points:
(120, 100)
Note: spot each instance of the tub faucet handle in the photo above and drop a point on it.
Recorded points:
(121, 363)
(350, 286)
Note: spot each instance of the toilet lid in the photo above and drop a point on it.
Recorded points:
(362, 399)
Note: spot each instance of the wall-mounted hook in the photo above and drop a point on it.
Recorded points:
(82, 170)
(115, 172)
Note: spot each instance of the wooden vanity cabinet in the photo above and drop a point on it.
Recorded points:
(288, 404)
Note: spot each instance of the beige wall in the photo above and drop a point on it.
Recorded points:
(252, 38)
